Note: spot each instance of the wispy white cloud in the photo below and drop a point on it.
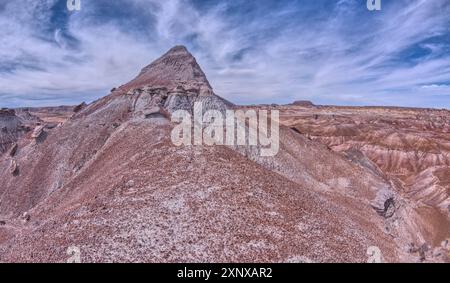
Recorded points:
(264, 52)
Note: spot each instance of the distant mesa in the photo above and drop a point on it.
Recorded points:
(303, 103)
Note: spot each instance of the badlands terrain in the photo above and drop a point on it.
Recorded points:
(107, 179)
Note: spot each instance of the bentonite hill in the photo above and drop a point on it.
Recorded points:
(106, 178)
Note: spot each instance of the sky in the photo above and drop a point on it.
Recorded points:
(253, 52)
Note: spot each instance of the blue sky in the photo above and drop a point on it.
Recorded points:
(265, 51)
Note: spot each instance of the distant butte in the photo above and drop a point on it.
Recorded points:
(303, 103)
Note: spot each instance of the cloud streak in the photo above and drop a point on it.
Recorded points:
(252, 51)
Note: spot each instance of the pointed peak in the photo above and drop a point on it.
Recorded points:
(178, 49)
(177, 67)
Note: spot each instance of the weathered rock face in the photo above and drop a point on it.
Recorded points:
(173, 82)
(17, 124)
(111, 181)
(11, 128)
(149, 97)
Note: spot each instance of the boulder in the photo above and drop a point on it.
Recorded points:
(155, 112)
(26, 217)
(38, 131)
(13, 150)
(79, 107)
(129, 184)
(421, 250)
(384, 203)
(51, 126)
(13, 168)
